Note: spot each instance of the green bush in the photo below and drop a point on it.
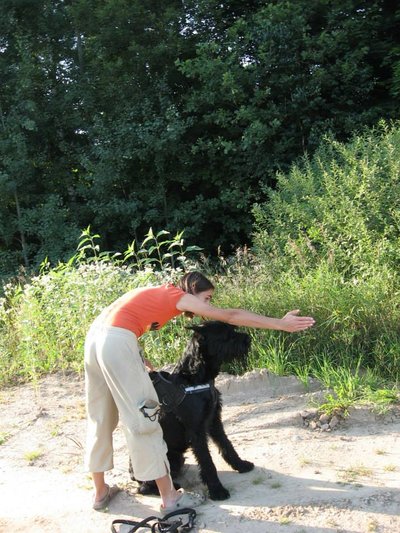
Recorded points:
(328, 240)
(340, 207)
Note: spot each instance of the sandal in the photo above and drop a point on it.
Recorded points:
(103, 503)
(186, 500)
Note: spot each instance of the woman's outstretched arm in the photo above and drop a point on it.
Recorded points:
(291, 322)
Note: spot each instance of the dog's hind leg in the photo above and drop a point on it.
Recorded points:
(228, 452)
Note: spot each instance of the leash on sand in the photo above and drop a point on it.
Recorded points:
(157, 524)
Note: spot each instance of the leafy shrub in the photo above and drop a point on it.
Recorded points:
(340, 207)
(328, 242)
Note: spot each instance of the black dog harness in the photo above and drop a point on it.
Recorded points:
(160, 525)
(172, 395)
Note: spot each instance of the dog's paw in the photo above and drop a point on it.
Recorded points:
(244, 466)
(148, 488)
(219, 493)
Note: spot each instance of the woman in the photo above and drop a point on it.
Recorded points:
(118, 385)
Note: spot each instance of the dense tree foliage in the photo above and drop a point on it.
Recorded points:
(126, 114)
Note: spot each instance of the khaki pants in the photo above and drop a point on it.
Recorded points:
(117, 384)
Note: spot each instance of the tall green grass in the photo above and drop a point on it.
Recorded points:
(352, 320)
(354, 347)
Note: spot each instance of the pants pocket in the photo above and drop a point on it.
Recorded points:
(148, 416)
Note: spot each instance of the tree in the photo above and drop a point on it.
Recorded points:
(38, 131)
(130, 114)
(268, 86)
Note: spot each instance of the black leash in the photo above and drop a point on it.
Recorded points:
(160, 525)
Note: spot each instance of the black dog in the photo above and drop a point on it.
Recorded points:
(191, 405)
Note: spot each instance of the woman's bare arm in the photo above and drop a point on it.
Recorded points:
(240, 317)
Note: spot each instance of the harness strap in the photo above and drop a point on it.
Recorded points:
(172, 395)
(169, 394)
(197, 388)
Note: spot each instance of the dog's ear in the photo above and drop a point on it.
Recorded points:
(192, 362)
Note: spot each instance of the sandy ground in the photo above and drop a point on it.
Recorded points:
(306, 480)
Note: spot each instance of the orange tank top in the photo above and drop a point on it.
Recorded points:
(145, 308)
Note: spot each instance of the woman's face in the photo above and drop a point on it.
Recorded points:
(205, 296)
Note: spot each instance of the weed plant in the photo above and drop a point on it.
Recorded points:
(43, 323)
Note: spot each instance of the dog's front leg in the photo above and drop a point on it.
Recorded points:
(228, 452)
(208, 472)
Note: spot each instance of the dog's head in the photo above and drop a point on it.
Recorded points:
(212, 344)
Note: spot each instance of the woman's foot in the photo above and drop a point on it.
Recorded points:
(183, 501)
(102, 503)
